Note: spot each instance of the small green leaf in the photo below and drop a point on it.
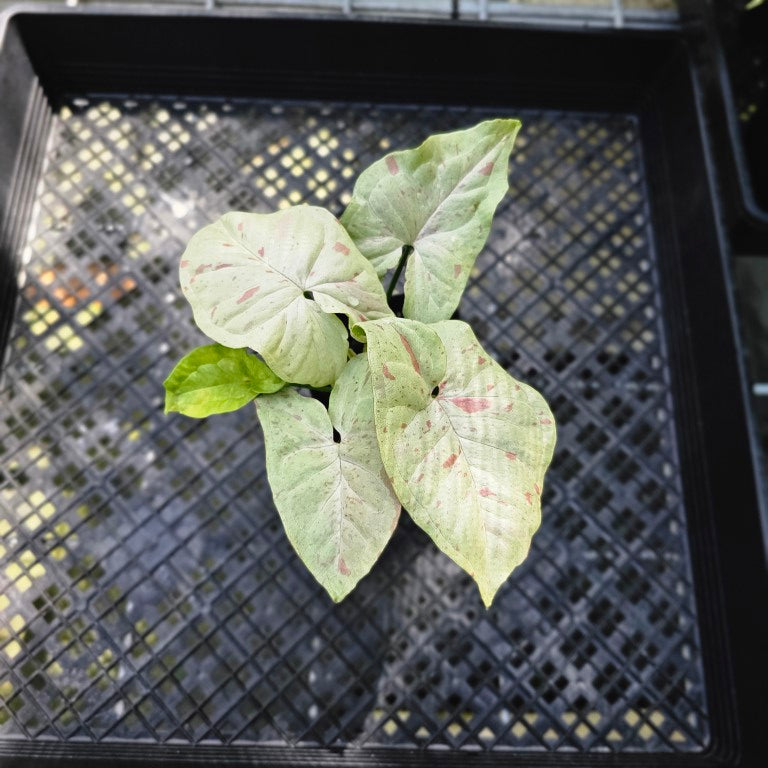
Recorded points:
(216, 379)
(273, 282)
(465, 444)
(334, 498)
(439, 199)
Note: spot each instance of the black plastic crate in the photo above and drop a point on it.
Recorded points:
(737, 96)
(151, 608)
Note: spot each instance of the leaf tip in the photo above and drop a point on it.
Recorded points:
(169, 405)
(336, 593)
(487, 594)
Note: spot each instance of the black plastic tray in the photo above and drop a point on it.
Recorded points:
(738, 52)
(151, 608)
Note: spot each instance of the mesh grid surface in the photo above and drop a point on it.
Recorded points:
(147, 590)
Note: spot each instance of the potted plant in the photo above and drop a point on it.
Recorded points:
(418, 414)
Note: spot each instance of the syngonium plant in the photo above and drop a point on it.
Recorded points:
(420, 415)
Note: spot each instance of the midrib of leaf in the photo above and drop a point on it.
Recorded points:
(355, 464)
(455, 187)
(339, 496)
(427, 511)
(350, 520)
(336, 492)
(426, 455)
(438, 275)
(256, 257)
(472, 475)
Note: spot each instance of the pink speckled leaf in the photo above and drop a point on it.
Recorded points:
(334, 499)
(438, 198)
(272, 282)
(465, 445)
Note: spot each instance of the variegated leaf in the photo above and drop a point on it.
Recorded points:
(272, 282)
(334, 499)
(438, 199)
(465, 445)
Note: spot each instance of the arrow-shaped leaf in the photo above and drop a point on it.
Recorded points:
(439, 199)
(272, 282)
(334, 499)
(465, 444)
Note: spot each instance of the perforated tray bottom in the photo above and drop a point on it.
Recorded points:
(147, 590)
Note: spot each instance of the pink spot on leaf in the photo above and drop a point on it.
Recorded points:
(392, 165)
(537, 489)
(486, 169)
(489, 387)
(429, 424)
(456, 270)
(510, 455)
(250, 292)
(528, 497)
(484, 491)
(509, 406)
(227, 245)
(420, 478)
(240, 227)
(450, 461)
(545, 421)
(184, 263)
(261, 251)
(471, 404)
(341, 248)
(409, 350)
(221, 266)
(481, 361)
(203, 268)
(387, 374)
(343, 570)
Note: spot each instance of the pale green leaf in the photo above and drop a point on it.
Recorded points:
(439, 199)
(272, 282)
(334, 499)
(465, 445)
(217, 379)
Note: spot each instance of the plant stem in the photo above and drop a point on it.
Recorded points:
(311, 389)
(407, 251)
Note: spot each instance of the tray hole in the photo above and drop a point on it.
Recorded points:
(592, 438)
(623, 466)
(595, 494)
(559, 359)
(567, 465)
(619, 412)
(564, 409)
